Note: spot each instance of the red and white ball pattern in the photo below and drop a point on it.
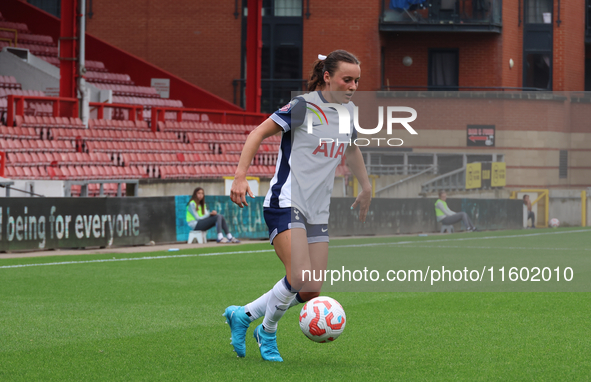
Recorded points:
(554, 223)
(322, 319)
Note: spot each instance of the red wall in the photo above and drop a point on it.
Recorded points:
(569, 46)
(479, 57)
(512, 46)
(199, 41)
(352, 26)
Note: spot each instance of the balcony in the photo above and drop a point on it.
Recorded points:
(441, 16)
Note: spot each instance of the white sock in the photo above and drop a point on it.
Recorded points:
(258, 307)
(297, 300)
(220, 236)
(229, 236)
(278, 302)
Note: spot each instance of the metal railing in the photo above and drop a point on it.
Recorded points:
(8, 186)
(16, 106)
(158, 114)
(14, 41)
(452, 181)
(84, 186)
(442, 13)
(399, 169)
(135, 111)
(432, 169)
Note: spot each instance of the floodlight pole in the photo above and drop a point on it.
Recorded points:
(254, 48)
(84, 92)
(67, 49)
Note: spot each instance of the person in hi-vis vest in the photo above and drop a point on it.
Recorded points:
(447, 216)
(199, 218)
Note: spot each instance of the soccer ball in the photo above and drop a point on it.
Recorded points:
(322, 319)
(554, 223)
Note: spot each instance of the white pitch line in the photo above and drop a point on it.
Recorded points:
(518, 248)
(270, 250)
(461, 239)
(133, 259)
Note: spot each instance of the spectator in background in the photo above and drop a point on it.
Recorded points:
(448, 217)
(199, 218)
(530, 214)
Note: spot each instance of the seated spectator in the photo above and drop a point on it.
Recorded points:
(448, 217)
(530, 214)
(199, 218)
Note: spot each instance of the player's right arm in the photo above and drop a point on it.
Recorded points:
(240, 185)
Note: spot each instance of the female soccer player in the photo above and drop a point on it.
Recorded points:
(200, 219)
(296, 207)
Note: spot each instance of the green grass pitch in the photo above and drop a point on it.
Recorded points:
(160, 319)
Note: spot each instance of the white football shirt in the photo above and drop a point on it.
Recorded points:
(306, 164)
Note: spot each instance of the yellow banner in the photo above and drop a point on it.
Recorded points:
(473, 178)
(499, 171)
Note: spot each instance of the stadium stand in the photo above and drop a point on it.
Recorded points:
(59, 148)
(123, 87)
(9, 82)
(132, 91)
(47, 147)
(183, 144)
(95, 66)
(28, 38)
(19, 27)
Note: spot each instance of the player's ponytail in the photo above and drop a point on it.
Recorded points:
(316, 81)
(329, 64)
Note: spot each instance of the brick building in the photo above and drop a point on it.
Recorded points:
(473, 44)
(477, 45)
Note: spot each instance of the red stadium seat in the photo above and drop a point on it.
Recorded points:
(102, 172)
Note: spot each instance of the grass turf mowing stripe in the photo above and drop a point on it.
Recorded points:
(161, 320)
(270, 250)
(132, 259)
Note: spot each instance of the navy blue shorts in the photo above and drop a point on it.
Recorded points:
(282, 219)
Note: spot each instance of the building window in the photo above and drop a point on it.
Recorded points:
(563, 166)
(443, 69)
(50, 6)
(281, 8)
(288, 8)
(449, 162)
(538, 11)
(479, 158)
(537, 71)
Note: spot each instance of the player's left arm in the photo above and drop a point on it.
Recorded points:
(357, 166)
